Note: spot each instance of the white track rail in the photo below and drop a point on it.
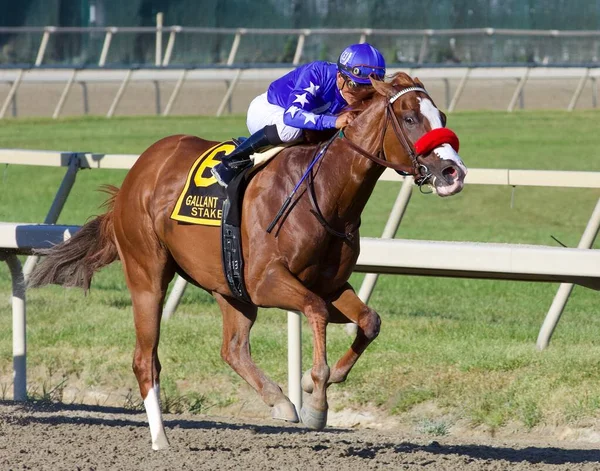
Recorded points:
(22, 239)
(430, 258)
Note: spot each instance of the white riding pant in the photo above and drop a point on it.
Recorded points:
(261, 113)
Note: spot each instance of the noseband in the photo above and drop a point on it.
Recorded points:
(417, 169)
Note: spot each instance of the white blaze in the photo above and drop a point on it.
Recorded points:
(432, 114)
(434, 117)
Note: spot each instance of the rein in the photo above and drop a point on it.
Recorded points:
(417, 169)
(318, 154)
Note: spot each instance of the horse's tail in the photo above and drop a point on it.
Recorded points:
(73, 263)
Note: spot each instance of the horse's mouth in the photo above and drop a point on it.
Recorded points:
(449, 181)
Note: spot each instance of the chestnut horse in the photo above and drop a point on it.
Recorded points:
(303, 265)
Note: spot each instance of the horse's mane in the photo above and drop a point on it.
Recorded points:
(403, 80)
(400, 80)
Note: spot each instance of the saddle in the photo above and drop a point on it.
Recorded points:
(202, 201)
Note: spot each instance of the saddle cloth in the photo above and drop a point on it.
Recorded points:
(201, 200)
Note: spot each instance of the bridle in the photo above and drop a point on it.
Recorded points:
(417, 169)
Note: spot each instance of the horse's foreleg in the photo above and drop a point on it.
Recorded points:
(238, 319)
(148, 279)
(280, 288)
(348, 306)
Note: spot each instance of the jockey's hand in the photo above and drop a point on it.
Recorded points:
(344, 120)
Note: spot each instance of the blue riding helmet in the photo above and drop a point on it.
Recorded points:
(358, 61)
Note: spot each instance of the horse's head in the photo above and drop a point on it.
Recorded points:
(414, 138)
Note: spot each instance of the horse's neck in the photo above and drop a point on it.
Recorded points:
(359, 174)
(348, 179)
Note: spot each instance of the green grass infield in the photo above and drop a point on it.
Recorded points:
(451, 351)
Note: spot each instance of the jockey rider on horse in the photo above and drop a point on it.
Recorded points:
(308, 97)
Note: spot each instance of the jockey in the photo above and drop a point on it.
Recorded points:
(308, 97)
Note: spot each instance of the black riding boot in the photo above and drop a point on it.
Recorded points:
(239, 159)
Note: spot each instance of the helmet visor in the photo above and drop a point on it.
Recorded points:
(362, 73)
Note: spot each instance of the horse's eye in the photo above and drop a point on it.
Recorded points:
(409, 120)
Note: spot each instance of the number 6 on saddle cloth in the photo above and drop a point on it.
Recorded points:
(203, 201)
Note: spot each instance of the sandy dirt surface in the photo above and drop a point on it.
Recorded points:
(77, 437)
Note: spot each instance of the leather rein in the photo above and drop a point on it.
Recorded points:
(417, 169)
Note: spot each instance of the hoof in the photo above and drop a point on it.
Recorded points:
(313, 418)
(307, 382)
(285, 411)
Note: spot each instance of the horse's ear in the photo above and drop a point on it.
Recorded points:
(443, 116)
(419, 83)
(384, 88)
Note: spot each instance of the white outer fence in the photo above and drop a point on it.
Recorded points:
(234, 77)
(477, 260)
(163, 57)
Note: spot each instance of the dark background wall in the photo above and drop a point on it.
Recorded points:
(202, 49)
(525, 14)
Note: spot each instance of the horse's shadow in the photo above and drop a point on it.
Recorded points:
(52, 417)
(531, 455)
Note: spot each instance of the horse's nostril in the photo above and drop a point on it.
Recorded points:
(450, 173)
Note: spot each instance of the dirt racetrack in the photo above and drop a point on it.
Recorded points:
(76, 437)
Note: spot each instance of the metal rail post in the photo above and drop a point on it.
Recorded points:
(175, 92)
(157, 96)
(174, 298)
(43, 45)
(459, 91)
(57, 205)
(229, 92)
(11, 94)
(106, 46)
(170, 45)
(300, 46)
(295, 359)
(84, 96)
(18, 327)
(447, 91)
(579, 90)
(364, 35)
(119, 94)
(235, 46)
(564, 291)
(424, 46)
(63, 96)
(518, 91)
(389, 232)
(159, 27)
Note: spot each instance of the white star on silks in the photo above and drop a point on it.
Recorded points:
(301, 99)
(312, 88)
(309, 118)
(293, 110)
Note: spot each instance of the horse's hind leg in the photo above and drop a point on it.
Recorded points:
(238, 319)
(343, 307)
(148, 279)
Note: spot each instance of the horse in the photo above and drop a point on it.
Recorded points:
(303, 265)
